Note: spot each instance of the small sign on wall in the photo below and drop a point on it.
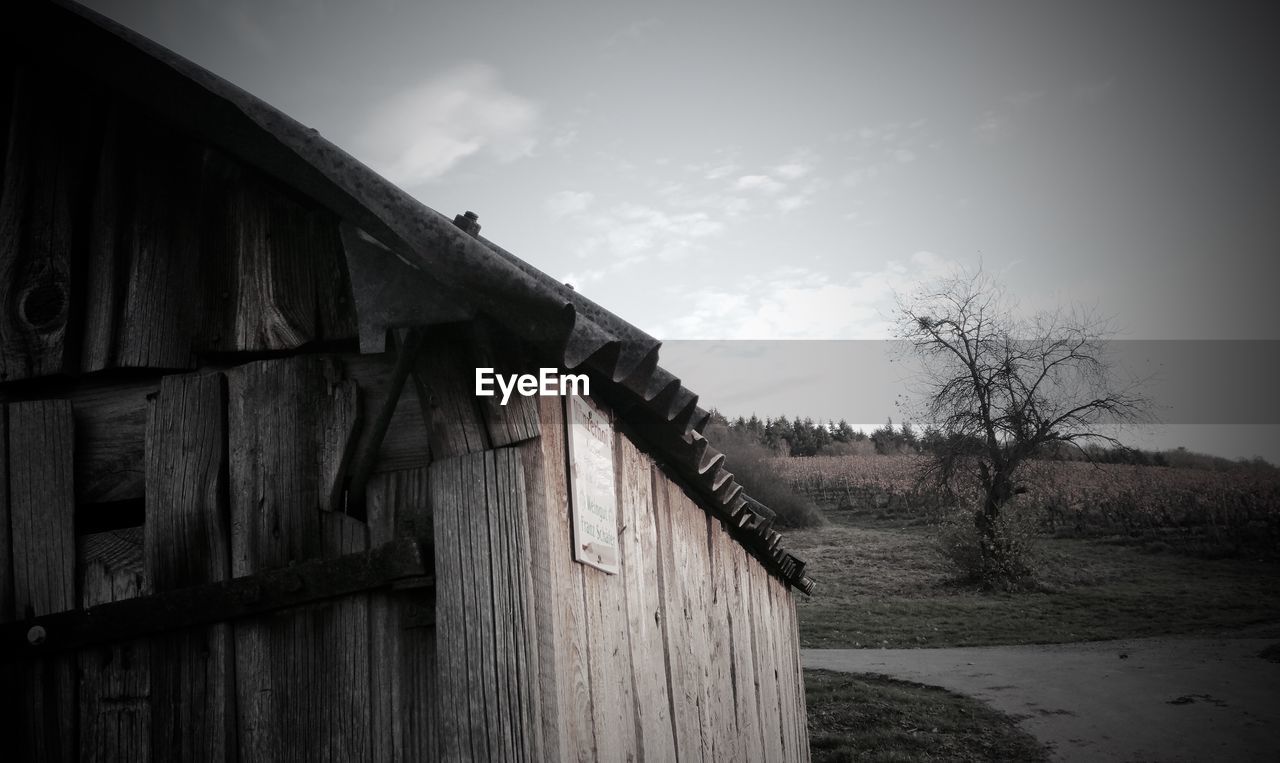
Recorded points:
(593, 494)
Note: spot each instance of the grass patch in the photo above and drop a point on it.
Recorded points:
(886, 586)
(869, 717)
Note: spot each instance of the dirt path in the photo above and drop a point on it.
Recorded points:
(1151, 699)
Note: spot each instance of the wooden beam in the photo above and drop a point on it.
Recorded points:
(396, 563)
(408, 345)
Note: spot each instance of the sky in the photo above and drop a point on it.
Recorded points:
(779, 171)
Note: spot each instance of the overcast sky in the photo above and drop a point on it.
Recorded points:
(776, 171)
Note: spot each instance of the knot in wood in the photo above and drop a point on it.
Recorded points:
(43, 305)
(36, 635)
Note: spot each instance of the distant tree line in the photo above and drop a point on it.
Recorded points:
(806, 437)
(803, 437)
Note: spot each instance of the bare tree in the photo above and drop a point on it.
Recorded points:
(1001, 391)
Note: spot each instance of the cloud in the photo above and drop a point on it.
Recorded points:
(800, 164)
(793, 170)
(792, 203)
(762, 183)
(723, 170)
(796, 303)
(903, 155)
(859, 175)
(564, 203)
(420, 133)
(630, 234)
(993, 126)
(565, 138)
(1000, 123)
(630, 33)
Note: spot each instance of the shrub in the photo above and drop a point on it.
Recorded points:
(1013, 566)
(759, 471)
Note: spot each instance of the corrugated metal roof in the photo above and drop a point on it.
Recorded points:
(475, 273)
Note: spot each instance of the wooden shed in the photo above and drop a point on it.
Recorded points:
(251, 507)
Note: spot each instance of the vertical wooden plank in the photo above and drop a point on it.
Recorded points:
(781, 718)
(11, 702)
(724, 691)
(478, 602)
(187, 544)
(115, 680)
(576, 725)
(478, 503)
(42, 506)
(308, 289)
(270, 312)
(526, 649)
(765, 664)
(42, 512)
(187, 533)
(698, 593)
(8, 70)
(6, 540)
(446, 392)
(278, 270)
(335, 304)
(639, 546)
(612, 689)
(301, 675)
(682, 662)
(802, 714)
(281, 413)
(786, 679)
(451, 649)
(542, 474)
(745, 690)
(517, 421)
(402, 668)
(39, 208)
(608, 636)
(507, 667)
(163, 299)
(103, 264)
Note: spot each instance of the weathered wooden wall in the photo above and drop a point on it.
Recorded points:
(239, 471)
(126, 244)
(689, 653)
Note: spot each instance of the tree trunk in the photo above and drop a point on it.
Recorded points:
(999, 489)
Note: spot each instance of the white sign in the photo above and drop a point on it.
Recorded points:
(592, 490)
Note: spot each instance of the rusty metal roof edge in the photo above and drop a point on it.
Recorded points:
(518, 295)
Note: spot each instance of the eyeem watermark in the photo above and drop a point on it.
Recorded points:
(549, 381)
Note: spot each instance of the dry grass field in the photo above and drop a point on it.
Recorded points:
(1203, 511)
(882, 584)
